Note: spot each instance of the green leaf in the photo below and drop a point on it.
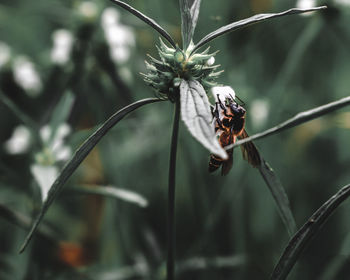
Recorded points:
(279, 195)
(196, 114)
(189, 18)
(23, 221)
(249, 21)
(297, 120)
(305, 233)
(110, 191)
(79, 155)
(61, 111)
(146, 19)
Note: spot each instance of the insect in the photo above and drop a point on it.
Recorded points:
(229, 125)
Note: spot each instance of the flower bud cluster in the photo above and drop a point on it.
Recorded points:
(165, 75)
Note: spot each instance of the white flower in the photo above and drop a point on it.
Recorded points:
(259, 112)
(119, 37)
(45, 170)
(62, 46)
(19, 142)
(44, 175)
(119, 54)
(110, 16)
(5, 54)
(223, 92)
(26, 76)
(55, 150)
(306, 4)
(88, 9)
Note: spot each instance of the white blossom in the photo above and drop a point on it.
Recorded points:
(62, 46)
(44, 175)
(5, 54)
(55, 148)
(45, 169)
(19, 142)
(119, 37)
(110, 17)
(306, 4)
(26, 76)
(88, 9)
(119, 54)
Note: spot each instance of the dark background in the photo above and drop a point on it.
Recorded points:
(227, 227)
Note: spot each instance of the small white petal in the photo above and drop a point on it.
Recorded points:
(56, 145)
(44, 176)
(45, 133)
(223, 92)
(19, 142)
(63, 131)
(119, 35)
(110, 16)
(306, 4)
(62, 37)
(88, 9)
(120, 54)
(63, 42)
(26, 76)
(63, 154)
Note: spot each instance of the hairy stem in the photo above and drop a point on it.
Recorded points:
(171, 194)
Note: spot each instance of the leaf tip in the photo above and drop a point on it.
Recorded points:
(23, 246)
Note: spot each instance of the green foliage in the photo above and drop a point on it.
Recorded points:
(226, 227)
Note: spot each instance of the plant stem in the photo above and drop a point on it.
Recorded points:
(18, 112)
(171, 194)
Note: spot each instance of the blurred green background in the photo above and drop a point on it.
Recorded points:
(227, 227)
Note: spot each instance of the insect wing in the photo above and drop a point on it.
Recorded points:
(249, 151)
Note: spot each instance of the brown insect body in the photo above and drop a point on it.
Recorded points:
(230, 122)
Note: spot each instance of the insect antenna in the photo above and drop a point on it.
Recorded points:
(240, 100)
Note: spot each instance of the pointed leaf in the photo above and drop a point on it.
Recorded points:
(195, 13)
(279, 195)
(249, 21)
(23, 221)
(80, 154)
(189, 18)
(114, 192)
(146, 19)
(305, 233)
(298, 119)
(196, 114)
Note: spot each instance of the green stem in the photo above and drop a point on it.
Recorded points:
(18, 112)
(171, 194)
